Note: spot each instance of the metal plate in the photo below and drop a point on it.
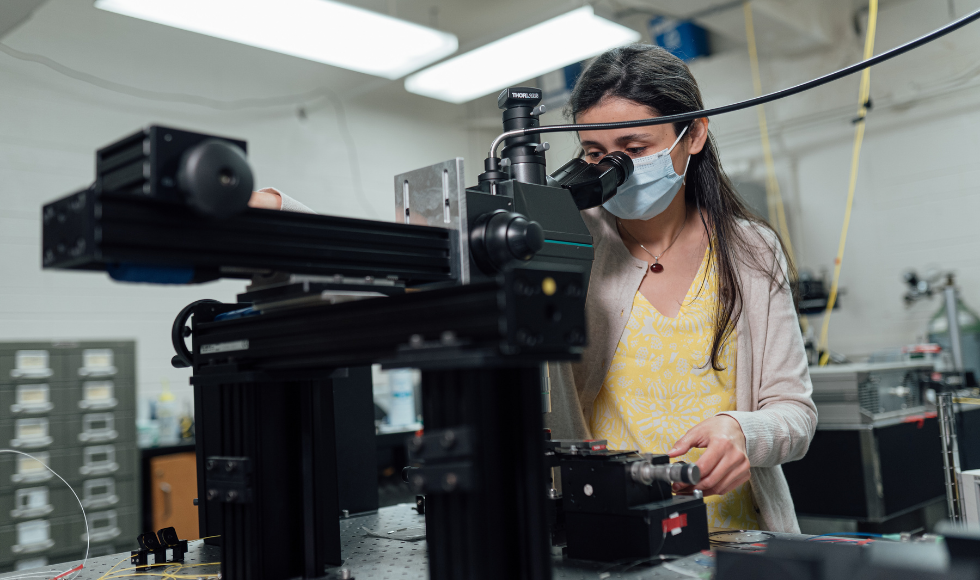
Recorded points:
(370, 558)
(436, 196)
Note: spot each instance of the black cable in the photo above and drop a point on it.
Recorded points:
(846, 71)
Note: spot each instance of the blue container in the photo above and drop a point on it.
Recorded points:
(685, 40)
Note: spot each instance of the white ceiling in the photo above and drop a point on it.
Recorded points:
(15, 12)
(156, 57)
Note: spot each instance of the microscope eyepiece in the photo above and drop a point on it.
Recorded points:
(593, 184)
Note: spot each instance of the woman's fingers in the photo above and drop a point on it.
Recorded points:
(730, 469)
(266, 198)
(734, 479)
(709, 461)
(690, 439)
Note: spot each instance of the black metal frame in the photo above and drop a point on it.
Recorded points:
(261, 387)
(95, 230)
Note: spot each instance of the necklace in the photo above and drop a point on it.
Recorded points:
(656, 267)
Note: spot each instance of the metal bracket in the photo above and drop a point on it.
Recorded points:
(443, 478)
(441, 445)
(229, 479)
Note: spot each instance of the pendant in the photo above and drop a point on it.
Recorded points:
(656, 267)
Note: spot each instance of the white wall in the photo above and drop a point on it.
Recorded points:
(51, 125)
(918, 196)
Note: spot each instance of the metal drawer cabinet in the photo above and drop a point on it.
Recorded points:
(17, 471)
(45, 500)
(101, 460)
(41, 537)
(101, 427)
(30, 434)
(32, 362)
(101, 360)
(102, 376)
(102, 394)
(112, 526)
(36, 399)
(108, 492)
(54, 499)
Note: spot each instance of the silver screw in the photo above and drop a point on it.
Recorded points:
(415, 444)
(345, 574)
(450, 482)
(448, 439)
(346, 513)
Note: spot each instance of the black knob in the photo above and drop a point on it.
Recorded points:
(215, 178)
(407, 473)
(524, 238)
(502, 237)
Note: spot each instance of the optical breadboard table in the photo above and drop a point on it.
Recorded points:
(380, 546)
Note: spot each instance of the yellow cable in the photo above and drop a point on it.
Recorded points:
(864, 94)
(109, 571)
(774, 196)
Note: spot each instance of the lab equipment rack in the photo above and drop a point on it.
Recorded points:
(71, 405)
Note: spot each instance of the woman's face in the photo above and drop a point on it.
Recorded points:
(638, 141)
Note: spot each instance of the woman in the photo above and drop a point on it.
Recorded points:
(694, 343)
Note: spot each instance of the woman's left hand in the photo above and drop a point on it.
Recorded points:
(724, 464)
(266, 198)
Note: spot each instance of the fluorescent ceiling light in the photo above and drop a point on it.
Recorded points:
(319, 30)
(527, 54)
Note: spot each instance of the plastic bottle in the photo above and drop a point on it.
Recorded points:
(401, 408)
(167, 417)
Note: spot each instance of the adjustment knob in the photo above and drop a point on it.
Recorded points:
(502, 237)
(524, 238)
(216, 178)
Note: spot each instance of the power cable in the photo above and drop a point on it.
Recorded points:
(293, 100)
(780, 94)
(168, 97)
(864, 103)
(773, 193)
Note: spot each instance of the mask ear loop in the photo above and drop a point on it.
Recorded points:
(679, 137)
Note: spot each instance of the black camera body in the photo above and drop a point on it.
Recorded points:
(209, 174)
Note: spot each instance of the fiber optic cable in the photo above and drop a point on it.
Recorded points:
(864, 95)
(88, 542)
(767, 98)
(773, 195)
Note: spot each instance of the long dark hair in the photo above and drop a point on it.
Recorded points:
(651, 76)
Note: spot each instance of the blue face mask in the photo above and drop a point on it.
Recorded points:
(650, 189)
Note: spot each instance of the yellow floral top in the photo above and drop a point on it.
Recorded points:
(661, 384)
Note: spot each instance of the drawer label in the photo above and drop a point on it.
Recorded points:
(224, 346)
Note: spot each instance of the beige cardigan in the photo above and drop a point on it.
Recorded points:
(772, 384)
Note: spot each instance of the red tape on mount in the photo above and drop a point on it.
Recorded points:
(674, 523)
